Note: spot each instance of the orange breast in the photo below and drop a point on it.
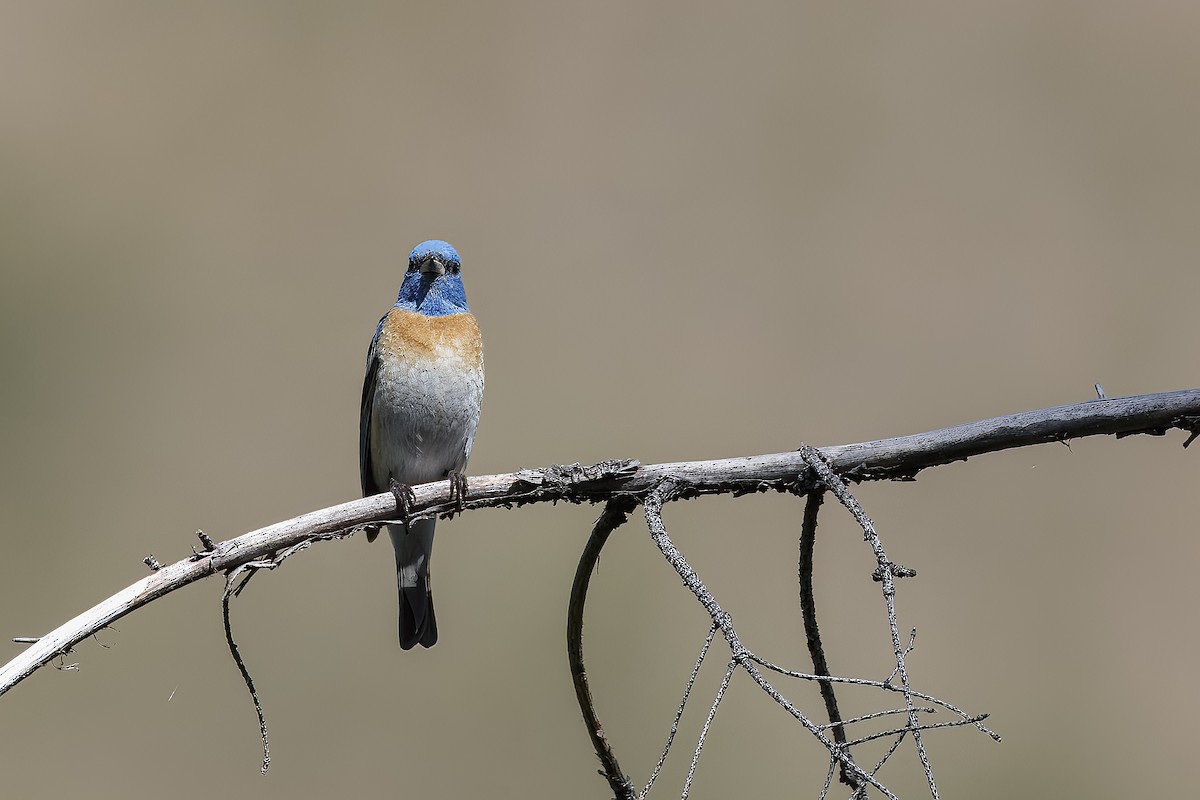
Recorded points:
(413, 337)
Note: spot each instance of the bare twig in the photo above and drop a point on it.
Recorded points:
(712, 713)
(823, 478)
(812, 457)
(671, 490)
(885, 685)
(687, 692)
(233, 589)
(615, 514)
(812, 632)
(241, 665)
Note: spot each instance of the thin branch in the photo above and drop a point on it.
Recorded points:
(615, 514)
(887, 459)
(885, 571)
(901, 732)
(234, 589)
(885, 685)
(687, 692)
(712, 713)
(812, 632)
(236, 653)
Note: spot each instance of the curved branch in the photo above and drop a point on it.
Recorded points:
(615, 514)
(884, 459)
(812, 631)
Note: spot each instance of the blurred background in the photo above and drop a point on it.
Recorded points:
(688, 231)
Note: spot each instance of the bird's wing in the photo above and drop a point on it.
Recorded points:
(366, 473)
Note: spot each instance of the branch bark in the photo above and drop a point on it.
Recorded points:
(885, 459)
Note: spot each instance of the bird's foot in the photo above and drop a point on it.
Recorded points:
(458, 488)
(404, 499)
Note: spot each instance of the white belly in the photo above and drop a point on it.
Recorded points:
(424, 417)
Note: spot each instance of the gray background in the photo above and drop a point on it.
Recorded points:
(688, 232)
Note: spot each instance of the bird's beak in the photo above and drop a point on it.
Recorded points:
(434, 265)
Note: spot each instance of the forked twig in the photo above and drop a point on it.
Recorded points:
(886, 572)
(708, 720)
(877, 684)
(669, 490)
(687, 691)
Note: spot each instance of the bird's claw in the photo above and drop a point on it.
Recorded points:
(404, 498)
(458, 488)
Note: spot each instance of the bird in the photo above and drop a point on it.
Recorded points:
(420, 406)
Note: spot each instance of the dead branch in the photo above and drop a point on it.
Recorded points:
(887, 459)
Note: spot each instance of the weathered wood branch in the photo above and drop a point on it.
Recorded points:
(886, 459)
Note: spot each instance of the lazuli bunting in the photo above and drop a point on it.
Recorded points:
(420, 407)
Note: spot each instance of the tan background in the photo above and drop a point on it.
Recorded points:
(688, 232)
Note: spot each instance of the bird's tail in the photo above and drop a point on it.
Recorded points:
(413, 545)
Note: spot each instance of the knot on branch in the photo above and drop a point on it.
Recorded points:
(563, 478)
(896, 570)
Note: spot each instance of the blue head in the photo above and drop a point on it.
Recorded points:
(433, 284)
